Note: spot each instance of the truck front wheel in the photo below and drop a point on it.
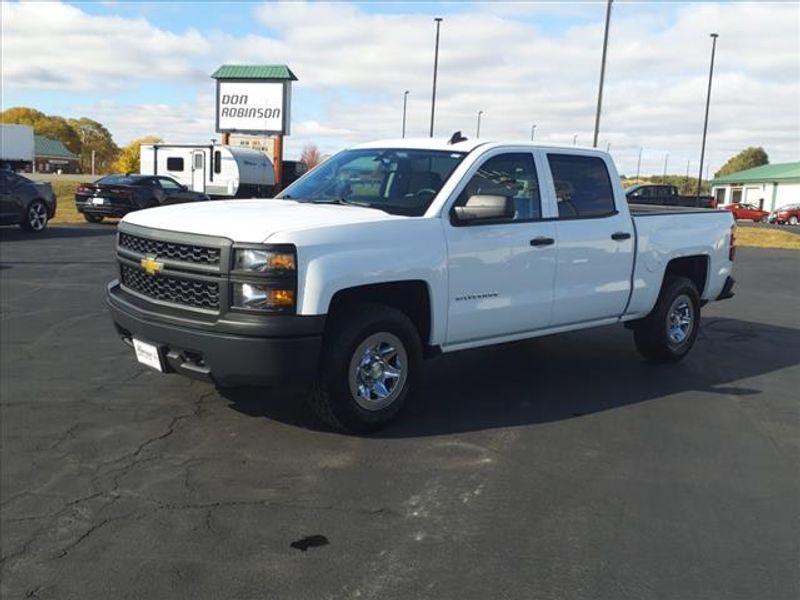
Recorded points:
(372, 358)
(669, 331)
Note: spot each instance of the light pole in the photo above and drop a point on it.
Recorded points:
(639, 163)
(478, 131)
(435, 72)
(533, 130)
(405, 105)
(575, 140)
(666, 158)
(608, 147)
(714, 37)
(602, 76)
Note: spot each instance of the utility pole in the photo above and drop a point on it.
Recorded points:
(714, 37)
(575, 140)
(602, 76)
(478, 132)
(666, 158)
(93, 155)
(608, 147)
(405, 105)
(639, 163)
(435, 72)
(533, 130)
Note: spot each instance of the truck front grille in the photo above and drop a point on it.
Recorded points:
(187, 292)
(189, 253)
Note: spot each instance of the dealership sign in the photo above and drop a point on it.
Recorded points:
(255, 105)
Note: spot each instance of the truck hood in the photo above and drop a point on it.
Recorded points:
(252, 221)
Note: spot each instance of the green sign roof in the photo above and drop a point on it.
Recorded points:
(763, 174)
(254, 72)
(48, 147)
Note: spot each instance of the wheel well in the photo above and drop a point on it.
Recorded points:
(409, 297)
(693, 267)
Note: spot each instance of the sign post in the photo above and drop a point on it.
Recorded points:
(255, 100)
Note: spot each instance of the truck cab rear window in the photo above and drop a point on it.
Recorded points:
(583, 187)
(174, 163)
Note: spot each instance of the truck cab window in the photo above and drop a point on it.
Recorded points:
(511, 175)
(583, 187)
(217, 161)
(174, 163)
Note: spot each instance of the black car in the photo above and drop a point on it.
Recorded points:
(665, 195)
(29, 204)
(117, 195)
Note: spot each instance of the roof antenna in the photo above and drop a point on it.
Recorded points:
(457, 137)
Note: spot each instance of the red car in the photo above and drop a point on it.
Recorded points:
(786, 214)
(747, 212)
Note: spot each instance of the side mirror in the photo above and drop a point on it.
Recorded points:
(481, 208)
(184, 188)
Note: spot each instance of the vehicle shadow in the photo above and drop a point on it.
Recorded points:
(14, 233)
(559, 377)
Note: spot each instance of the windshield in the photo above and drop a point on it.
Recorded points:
(397, 181)
(120, 180)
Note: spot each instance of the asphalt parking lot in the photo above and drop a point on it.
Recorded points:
(560, 468)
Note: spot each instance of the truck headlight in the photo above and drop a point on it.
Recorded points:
(268, 297)
(268, 261)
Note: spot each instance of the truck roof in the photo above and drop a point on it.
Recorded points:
(464, 146)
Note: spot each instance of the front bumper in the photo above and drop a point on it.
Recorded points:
(269, 350)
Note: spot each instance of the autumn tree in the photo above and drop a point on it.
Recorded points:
(128, 158)
(746, 159)
(95, 138)
(310, 156)
(57, 128)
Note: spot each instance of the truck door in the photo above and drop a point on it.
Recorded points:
(198, 171)
(500, 270)
(595, 241)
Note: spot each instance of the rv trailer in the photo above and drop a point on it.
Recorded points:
(214, 169)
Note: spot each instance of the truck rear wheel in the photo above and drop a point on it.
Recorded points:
(372, 358)
(669, 331)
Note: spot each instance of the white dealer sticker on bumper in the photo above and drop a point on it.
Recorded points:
(147, 354)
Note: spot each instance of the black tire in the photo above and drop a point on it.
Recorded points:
(653, 335)
(36, 217)
(333, 398)
(90, 218)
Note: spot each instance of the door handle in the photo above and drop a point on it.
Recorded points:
(542, 241)
(620, 235)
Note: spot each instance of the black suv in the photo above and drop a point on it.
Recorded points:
(29, 204)
(117, 195)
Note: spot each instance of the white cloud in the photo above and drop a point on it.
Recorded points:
(501, 58)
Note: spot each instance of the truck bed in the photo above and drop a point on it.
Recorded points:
(645, 210)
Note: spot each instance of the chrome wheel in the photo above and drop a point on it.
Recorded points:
(37, 216)
(680, 320)
(378, 371)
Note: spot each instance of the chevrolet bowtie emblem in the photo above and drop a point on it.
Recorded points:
(150, 265)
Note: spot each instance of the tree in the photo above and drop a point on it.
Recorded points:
(310, 156)
(746, 159)
(128, 158)
(95, 137)
(53, 127)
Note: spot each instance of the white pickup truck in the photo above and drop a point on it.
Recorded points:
(393, 251)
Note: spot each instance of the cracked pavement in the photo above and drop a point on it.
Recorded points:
(557, 468)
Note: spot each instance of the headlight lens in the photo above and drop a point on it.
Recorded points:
(264, 261)
(262, 297)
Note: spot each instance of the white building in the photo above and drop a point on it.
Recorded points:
(768, 186)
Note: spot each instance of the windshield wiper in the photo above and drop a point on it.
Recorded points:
(344, 202)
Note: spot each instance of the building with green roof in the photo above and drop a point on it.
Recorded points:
(51, 156)
(769, 186)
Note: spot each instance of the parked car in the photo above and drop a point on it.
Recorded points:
(397, 250)
(666, 195)
(29, 204)
(786, 214)
(117, 195)
(746, 212)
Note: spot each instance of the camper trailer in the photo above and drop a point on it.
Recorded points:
(217, 170)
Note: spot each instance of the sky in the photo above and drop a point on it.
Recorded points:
(144, 68)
